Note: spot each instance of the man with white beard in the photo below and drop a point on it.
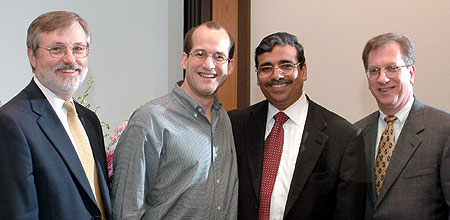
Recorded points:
(52, 156)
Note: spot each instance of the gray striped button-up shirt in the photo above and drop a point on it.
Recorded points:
(172, 163)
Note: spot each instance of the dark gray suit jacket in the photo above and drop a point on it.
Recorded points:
(417, 183)
(329, 178)
(41, 176)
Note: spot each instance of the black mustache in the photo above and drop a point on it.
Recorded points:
(279, 81)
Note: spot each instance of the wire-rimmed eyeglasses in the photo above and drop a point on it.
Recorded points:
(284, 69)
(391, 71)
(79, 51)
(217, 58)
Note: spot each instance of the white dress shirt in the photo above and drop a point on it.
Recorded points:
(293, 132)
(57, 104)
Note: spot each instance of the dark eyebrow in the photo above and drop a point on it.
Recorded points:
(281, 62)
(198, 50)
(287, 61)
(266, 64)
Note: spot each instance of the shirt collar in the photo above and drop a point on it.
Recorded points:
(55, 101)
(402, 114)
(187, 101)
(294, 112)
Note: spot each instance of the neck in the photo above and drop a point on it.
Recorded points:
(65, 97)
(205, 102)
(393, 111)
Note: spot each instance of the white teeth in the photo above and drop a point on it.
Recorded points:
(67, 71)
(384, 90)
(207, 75)
(279, 85)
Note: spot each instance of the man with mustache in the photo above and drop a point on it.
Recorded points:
(296, 160)
(52, 156)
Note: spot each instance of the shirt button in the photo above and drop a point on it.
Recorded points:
(218, 208)
(218, 181)
(195, 115)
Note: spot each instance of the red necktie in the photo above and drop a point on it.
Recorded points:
(273, 147)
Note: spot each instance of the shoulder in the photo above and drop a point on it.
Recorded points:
(331, 119)
(437, 114)
(434, 119)
(18, 108)
(369, 119)
(152, 111)
(89, 114)
(244, 113)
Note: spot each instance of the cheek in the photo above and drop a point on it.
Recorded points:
(83, 62)
(258, 81)
(371, 85)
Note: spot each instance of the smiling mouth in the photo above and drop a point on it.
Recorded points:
(278, 83)
(67, 70)
(385, 89)
(208, 75)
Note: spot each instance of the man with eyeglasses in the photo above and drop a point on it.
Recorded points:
(407, 143)
(176, 158)
(308, 166)
(52, 155)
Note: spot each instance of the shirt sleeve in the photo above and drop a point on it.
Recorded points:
(132, 173)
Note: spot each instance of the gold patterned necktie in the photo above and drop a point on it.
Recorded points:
(84, 152)
(385, 149)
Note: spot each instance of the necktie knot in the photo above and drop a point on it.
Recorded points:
(280, 118)
(68, 105)
(390, 119)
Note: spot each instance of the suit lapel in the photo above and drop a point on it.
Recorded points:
(407, 144)
(312, 144)
(370, 132)
(255, 143)
(56, 133)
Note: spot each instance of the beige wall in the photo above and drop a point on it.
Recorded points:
(334, 34)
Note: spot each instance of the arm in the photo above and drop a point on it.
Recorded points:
(17, 190)
(129, 188)
(350, 196)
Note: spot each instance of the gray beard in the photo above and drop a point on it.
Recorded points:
(66, 85)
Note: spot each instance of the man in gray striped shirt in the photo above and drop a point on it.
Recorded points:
(176, 158)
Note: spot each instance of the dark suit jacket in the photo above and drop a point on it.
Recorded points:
(328, 181)
(41, 176)
(417, 182)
